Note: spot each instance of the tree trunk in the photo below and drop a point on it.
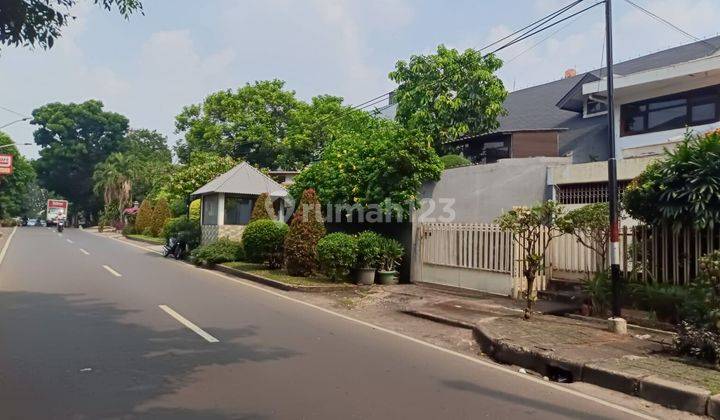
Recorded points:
(529, 294)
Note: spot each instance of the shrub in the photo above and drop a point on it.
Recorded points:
(337, 253)
(160, 215)
(369, 249)
(391, 253)
(147, 232)
(263, 241)
(128, 229)
(598, 288)
(454, 161)
(184, 230)
(195, 210)
(698, 342)
(223, 250)
(306, 229)
(8, 222)
(680, 189)
(263, 208)
(144, 216)
(669, 302)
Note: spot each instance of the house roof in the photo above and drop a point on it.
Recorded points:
(243, 179)
(537, 106)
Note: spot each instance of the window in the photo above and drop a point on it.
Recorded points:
(237, 210)
(210, 209)
(594, 107)
(690, 108)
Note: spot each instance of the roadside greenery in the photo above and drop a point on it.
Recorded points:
(160, 215)
(683, 188)
(533, 229)
(370, 249)
(143, 220)
(263, 242)
(306, 229)
(385, 166)
(337, 253)
(454, 161)
(221, 251)
(449, 94)
(263, 208)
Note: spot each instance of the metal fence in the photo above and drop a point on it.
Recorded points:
(656, 254)
(482, 247)
(649, 254)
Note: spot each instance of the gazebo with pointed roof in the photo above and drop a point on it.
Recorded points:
(228, 200)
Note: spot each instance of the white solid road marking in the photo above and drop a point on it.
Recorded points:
(197, 330)
(471, 359)
(70, 241)
(113, 272)
(84, 252)
(7, 245)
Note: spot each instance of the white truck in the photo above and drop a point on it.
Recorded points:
(56, 209)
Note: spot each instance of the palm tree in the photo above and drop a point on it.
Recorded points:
(113, 179)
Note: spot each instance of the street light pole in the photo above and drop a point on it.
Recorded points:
(616, 323)
(15, 144)
(13, 122)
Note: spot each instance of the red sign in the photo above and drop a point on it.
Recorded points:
(6, 164)
(61, 204)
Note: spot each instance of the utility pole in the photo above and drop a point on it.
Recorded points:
(616, 323)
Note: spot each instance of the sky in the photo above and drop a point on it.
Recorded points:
(179, 51)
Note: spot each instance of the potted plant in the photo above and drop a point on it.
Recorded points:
(390, 256)
(368, 258)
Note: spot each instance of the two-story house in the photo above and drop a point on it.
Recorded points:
(657, 98)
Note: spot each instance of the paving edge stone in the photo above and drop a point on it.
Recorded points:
(438, 318)
(713, 407)
(611, 379)
(674, 395)
(652, 388)
(277, 284)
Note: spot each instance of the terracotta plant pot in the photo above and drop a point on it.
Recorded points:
(387, 277)
(364, 276)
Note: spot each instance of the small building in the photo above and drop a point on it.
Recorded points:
(228, 200)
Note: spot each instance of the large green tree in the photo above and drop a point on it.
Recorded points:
(31, 23)
(14, 188)
(74, 139)
(200, 170)
(383, 164)
(151, 161)
(113, 180)
(449, 94)
(249, 123)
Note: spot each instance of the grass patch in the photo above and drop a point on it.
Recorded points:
(157, 241)
(280, 274)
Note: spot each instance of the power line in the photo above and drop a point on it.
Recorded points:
(14, 112)
(533, 25)
(540, 41)
(670, 24)
(524, 33)
(522, 38)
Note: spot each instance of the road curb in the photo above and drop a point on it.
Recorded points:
(651, 388)
(145, 241)
(278, 284)
(439, 319)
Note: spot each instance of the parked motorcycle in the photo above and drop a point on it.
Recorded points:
(174, 247)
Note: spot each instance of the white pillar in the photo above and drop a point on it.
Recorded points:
(221, 209)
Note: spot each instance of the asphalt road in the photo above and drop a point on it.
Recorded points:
(83, 334)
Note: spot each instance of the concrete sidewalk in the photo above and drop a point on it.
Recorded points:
(566, 350)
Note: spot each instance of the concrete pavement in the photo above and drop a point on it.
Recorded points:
(85, 333)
